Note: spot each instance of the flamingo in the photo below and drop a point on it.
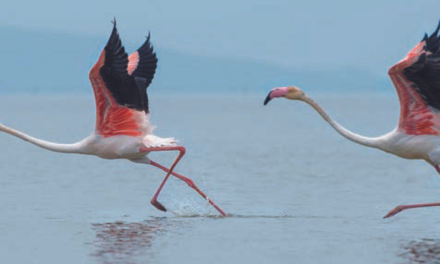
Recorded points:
(122, 129)
(416, 79)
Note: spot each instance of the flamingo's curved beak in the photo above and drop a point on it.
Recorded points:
(268, 98)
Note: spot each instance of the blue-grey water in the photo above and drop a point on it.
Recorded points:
(296, 191)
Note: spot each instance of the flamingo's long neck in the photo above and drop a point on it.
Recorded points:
(366, 141)
(78, 147)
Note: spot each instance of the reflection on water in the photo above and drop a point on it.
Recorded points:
(424, 251)
(124, 242)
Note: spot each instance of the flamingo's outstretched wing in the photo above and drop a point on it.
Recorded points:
(417, 81)
(119, 84)
(142, 65)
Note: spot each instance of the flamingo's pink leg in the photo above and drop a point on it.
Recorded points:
(169, 172)
(190, 184)
(400, 208)
(181, 150)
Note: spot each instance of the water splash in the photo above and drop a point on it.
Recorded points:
(187, 208)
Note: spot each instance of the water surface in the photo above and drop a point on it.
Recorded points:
(296, 191)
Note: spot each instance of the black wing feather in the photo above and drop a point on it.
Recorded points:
(144, 72)
(123, 87)
(425, 72)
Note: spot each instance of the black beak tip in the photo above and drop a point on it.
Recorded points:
(267, 99)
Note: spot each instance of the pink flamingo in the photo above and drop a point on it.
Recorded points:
(416, 79)
(122, 129)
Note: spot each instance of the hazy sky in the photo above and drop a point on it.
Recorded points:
(309, 34)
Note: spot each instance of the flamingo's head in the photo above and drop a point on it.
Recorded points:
(291, 93)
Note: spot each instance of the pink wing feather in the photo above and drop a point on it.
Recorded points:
(416, 80)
